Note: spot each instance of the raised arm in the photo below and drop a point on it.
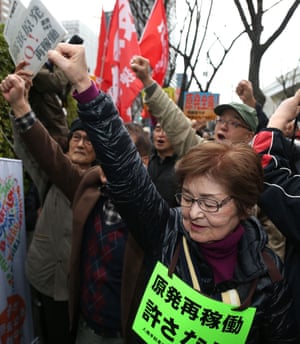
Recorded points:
(281, 197)
(128, 181)
(177, 126)
(38, 176)
(48, 81)
(245, 92)
(46, 152)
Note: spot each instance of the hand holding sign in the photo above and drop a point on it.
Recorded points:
(31, 32)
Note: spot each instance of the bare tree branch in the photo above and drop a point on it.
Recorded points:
(195, 34)
(283, 25)
(254, 31)
(217, 67)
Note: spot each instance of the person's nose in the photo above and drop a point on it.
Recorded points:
(223, 125)
(162, 133)
(80, 142)
(196, 211)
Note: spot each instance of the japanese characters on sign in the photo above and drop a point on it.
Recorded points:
(119, 81)
(31, 32)
(173, 312)
(200, 105)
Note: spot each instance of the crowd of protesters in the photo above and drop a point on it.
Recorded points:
(219, 213)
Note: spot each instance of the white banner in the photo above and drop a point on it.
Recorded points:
(15, 307)
(31, 32)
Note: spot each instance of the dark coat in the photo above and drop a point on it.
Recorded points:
(281, 200)
(162, 173)
(157, 229)
(47, 98)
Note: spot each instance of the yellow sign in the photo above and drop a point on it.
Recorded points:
(173, 312)
(200, 105)
(170, 92)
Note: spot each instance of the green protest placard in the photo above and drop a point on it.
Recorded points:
(173, 312)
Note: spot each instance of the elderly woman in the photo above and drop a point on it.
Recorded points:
(210, 242)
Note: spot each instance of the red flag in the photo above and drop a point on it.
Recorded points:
(102, 45)
(154, 43)
(118, 78)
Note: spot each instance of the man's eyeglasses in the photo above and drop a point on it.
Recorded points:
(205, 204)
(232, 124)
(76, 137)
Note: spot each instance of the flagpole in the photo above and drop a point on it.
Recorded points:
(104, 47)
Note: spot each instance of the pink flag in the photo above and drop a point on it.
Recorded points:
(118, 78)
(102, 45)
(154, 43)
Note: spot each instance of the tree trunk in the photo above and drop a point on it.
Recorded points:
(254, 68)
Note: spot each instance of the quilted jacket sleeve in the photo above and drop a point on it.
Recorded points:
(281, 197)
(129, 184)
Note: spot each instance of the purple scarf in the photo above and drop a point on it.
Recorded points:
(222, 255)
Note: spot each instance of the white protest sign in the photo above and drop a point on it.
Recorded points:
(31, 32)
(16, 11)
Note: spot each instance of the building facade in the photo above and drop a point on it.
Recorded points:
(4, 8)
(76, 27)
(284, 86)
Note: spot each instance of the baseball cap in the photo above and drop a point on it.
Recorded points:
(247, 113)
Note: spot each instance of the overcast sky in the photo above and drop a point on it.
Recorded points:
(281, 57)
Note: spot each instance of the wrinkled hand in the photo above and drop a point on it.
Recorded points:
(141, 67)
(26, 75)
(70, 58)
(286, 112)
(13, 90)
(244, 90)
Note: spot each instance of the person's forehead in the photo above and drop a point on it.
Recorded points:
(79, 131)
(230, 113)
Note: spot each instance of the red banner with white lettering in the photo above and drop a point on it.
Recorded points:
(121, 81)
(102, 45)
(154, 43)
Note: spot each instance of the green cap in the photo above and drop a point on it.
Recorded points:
(247, 113)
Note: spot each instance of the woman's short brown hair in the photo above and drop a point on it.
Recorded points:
(235, 166)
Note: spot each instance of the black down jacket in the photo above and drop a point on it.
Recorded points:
(158, 229)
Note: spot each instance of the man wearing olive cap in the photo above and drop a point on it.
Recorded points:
(235, 122)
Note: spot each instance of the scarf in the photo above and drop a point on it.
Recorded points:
(222, 255)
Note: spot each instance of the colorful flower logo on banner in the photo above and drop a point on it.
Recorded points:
(11, 218)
